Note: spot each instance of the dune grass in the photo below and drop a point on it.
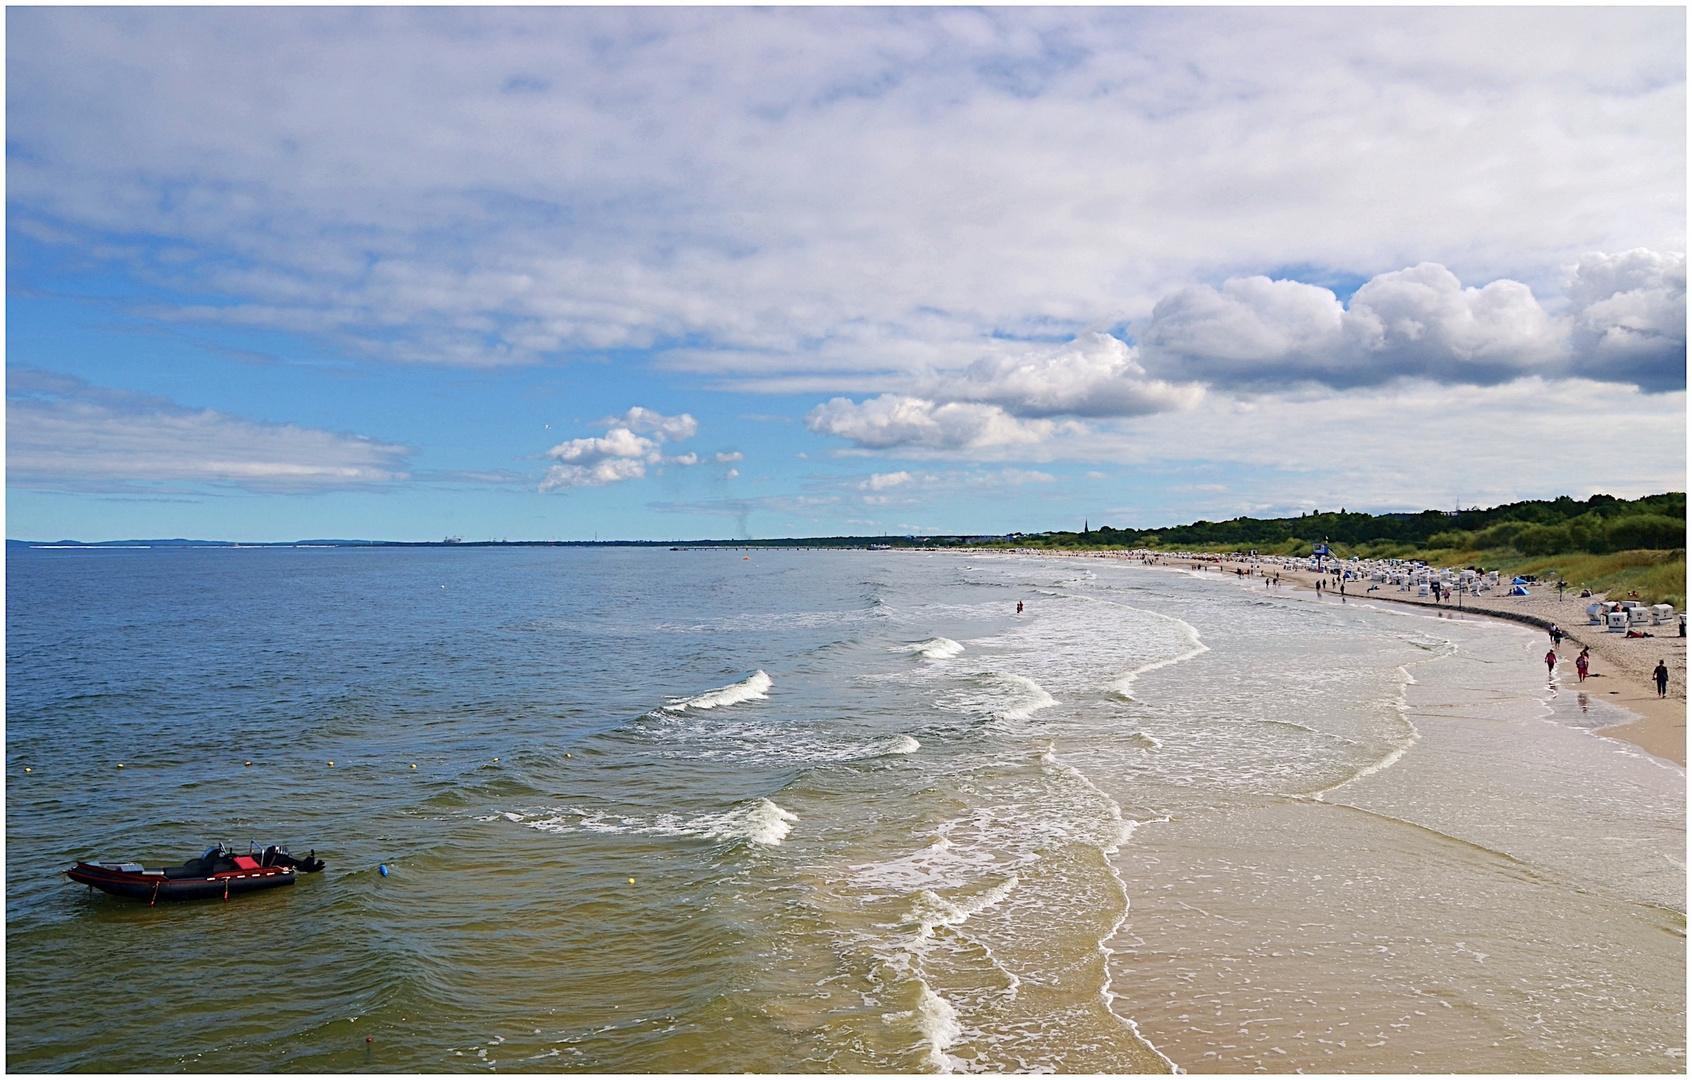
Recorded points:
(1658, 576)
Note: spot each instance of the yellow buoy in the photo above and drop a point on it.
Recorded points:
(331, 764)
(631, 881)
(120, 764)
(414, 766)
(496, 759)
(566, 755)
(249, 763)
(26, 768)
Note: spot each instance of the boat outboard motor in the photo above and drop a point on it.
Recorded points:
(310, 864)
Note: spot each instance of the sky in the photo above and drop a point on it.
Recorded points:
(643, 273)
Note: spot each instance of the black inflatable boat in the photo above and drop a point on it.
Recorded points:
(217, 873)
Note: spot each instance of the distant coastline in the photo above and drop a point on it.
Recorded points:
(860, 542)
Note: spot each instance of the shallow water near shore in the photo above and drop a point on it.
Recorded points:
(874, 821)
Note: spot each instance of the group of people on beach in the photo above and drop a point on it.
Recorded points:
(1583, 663)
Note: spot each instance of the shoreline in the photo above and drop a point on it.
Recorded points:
(1621, 663)
(1620, 669)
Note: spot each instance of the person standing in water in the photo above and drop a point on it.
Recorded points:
(1661, 675)
(1551, 661)
(1582, 663)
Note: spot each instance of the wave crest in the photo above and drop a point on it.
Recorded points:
(1000, 696)
(762, 822)
(936, 648)
(759, 822)
(752, 688)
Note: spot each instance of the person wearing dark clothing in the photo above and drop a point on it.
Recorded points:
(1551, 662)
(1661, 675)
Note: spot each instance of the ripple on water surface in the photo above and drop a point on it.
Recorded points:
(682, 811)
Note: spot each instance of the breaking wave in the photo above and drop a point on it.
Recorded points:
(904, 744)
(752, 688)
(1000, 696)
(936, 648)
(759, 822)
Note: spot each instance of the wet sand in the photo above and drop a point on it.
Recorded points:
(1492, 903)
(1620, 670)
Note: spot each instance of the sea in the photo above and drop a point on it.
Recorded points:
(629, 809)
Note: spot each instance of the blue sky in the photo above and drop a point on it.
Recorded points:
(643, 273)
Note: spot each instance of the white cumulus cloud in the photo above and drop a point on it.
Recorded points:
(1093, 375)
(1630, 318)
(631, 443)
(895, 420)
(1626, 323)
(648, 421)
(1006, 399)
(883, 481)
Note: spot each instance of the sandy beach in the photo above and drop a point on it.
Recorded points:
(1620, 667)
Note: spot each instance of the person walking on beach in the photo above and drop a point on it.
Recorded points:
(1661, 675)
(1551, 661)
(1582, 663)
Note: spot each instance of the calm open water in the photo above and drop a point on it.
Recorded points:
(874, 820)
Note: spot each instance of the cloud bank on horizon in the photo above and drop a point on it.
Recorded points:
(974, 235)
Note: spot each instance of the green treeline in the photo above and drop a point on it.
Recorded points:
(1597, 526)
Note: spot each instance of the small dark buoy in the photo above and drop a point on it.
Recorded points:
(383, 867)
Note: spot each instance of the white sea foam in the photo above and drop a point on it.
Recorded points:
(1001, 696)
(936, 648)
(759, 821)
(752, 688)
(1124, 684)
(904, 744)
(938, 1022)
